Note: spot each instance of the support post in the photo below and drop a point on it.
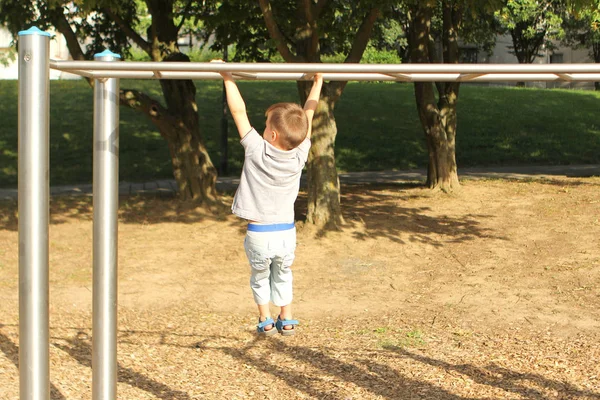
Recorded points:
(106, 199)
(224, 165)
(34, 203)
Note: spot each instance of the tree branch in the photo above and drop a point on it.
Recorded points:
(451, 20)
(362, 36)
(185, 14)
(137, 39)
(419, 44)
(308, 12)
(275, 33)
(318, 8)
(155, 111)
(64, 27)
(312, 26)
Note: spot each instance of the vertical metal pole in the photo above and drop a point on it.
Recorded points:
(34, 189)
(106, 198)
(224, 126)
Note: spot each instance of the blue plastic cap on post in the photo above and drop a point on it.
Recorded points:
(107, 53)
(34, 31)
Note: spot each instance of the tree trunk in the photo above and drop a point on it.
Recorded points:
(441, 171)
(440, 134)
(438, 118)
(596, 56)
(192, 168)
(324, 208)
(178, 123)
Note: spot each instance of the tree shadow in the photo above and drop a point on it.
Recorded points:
(379, 209)
(367, 202)
(385, 383)
(328, 371)
(138, 209)
(9, 218)
(546, 179)
(381, 380)
(11, 351)
(368, 369)
(81, 351)
(503, 378)
(152, 209)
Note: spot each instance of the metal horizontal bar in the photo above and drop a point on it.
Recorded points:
(401, 77)
(288, 76)
(326, 67)
(244, 75)
(468, 77)
(284, 76)
(85, 74)
(331, 72)
(566, 77)
(588, 77)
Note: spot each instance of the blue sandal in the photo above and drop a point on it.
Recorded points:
(260, 328)
(286, 322)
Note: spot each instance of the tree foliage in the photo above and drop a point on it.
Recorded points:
(582, 28)
(532, 25)
(154, 26)
(92, 29)
(242, 23)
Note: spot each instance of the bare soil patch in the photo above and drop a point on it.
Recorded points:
(491, 293)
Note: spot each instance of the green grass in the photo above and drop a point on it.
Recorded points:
(378, 128)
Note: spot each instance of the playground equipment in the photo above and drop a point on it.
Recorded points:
(105, 70)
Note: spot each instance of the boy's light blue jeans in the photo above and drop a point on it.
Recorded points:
(271, 255)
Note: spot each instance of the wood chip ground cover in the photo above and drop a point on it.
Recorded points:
(491, 293)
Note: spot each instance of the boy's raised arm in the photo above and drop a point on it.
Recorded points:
(312, 101)
(236, 104)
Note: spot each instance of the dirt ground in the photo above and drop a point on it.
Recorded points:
(490, 293)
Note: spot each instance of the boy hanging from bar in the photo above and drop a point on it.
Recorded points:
(265, 197)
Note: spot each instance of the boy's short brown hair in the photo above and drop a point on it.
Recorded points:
(290, 122)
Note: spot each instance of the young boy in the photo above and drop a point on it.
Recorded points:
(268, 188)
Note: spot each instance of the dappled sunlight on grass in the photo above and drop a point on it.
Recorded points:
(536, 126)
(378, 128)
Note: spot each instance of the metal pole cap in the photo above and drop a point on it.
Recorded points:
(34, 31)
(107, 53)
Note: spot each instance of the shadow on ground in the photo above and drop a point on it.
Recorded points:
(503, 378)
(319, 371)
(11, 352)
(381, 208)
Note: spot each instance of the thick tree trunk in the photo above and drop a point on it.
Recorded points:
(438, 118)
(324, 210)
(178, 122)
(440, 135)
(192, 168)
(441, 172)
